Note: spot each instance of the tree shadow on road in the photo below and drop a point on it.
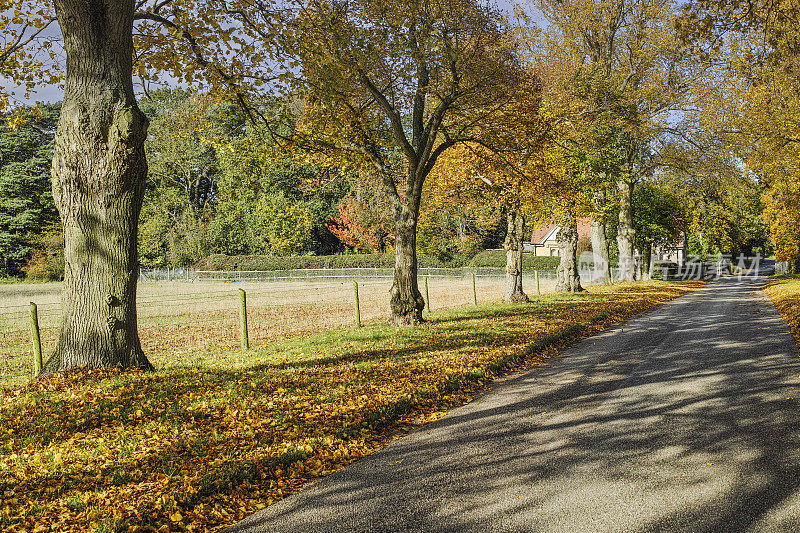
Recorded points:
(702, 438)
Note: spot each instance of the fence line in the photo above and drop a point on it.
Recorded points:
(186, 323)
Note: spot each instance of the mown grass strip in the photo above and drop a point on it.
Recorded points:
(784, 291)
(197, 448)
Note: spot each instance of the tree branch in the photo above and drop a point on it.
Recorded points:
(393, 115)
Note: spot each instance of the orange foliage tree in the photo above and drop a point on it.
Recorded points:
(393, 86)
(364, 222)
(506, 158)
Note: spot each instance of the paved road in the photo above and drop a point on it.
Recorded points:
(680, 420)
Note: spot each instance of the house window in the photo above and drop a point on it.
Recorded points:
(553, 252)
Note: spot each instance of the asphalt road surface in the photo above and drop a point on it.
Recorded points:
(684, 419)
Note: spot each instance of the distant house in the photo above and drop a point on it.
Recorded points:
(543, 240)
(544, 243)
(675, 252)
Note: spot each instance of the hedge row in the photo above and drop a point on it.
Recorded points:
(275, 262)
(487, 258)
(497, 258)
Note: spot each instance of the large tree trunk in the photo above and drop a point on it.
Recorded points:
(646, 263)
(626, 232)
(514, 244)
(602, 262)
(567, 275)
(407, 302)
(99, 171)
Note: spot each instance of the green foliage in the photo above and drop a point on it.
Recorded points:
(219, 185)
(284, 225)
(450, 236)
(180, 150)
(723, 211)
(658, 215)
(26, 202)
(271, 202)
(182, 175)
(459, 218)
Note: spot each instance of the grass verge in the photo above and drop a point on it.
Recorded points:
(197, 448)
(784, 291)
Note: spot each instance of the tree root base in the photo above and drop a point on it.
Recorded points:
(54, 365)
(518, 298)
(411, 319)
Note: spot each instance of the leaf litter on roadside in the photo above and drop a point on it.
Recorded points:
(196, 449)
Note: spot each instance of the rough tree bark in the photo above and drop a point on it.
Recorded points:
(567, 275)
(602, 266)
(99, 171)
(626, 232)
(406, 300)
(514, 245)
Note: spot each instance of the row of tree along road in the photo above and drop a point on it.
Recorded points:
(549, 122)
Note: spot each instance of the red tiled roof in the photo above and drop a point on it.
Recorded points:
(540, 232)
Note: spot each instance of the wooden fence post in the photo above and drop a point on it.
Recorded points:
(245, 337)
(358, 304)
(36, 339)
(427, 296)
(538, 289)
(474, 290)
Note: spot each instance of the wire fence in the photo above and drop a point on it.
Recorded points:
(185, 317)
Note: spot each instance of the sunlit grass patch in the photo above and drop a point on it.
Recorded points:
(784, 291)
(195, 448)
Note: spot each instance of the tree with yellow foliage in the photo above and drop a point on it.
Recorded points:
(506, 159)
(753, 98)
(618, 71)
(395, 85)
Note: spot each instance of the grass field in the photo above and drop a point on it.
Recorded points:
(181, 323)
(197, 448)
